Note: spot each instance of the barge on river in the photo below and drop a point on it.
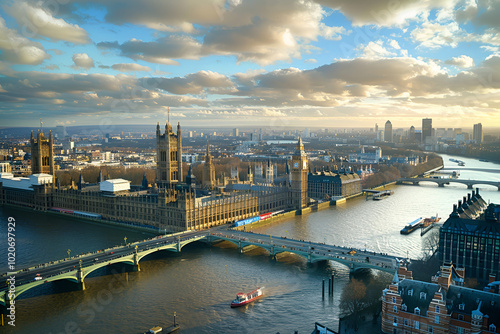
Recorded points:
(412, 226)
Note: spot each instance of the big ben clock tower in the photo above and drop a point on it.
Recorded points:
(299, 170)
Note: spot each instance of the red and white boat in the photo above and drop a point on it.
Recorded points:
(246, 298)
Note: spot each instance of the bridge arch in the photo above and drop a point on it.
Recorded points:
(240, 244)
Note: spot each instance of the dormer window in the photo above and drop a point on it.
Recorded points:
(461, 306)
(417, 311)
(493, 328)
(403, 307)
(423, 295)
(410, 292)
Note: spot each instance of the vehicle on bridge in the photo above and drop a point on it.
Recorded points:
(38, 277)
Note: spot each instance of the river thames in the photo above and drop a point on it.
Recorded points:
(199, 283)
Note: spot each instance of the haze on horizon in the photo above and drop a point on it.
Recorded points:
(234, 63)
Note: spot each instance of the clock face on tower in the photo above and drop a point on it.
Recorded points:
(296, 165)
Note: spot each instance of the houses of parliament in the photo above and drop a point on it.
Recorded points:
(171, 205)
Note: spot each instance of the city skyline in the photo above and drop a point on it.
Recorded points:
(323, 63)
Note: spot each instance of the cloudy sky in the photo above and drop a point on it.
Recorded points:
(317, 63)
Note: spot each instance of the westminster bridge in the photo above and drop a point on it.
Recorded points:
(442, 181)
(76, 268)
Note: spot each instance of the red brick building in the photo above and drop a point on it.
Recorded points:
(443, 306)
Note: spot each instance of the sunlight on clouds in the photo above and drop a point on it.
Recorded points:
(83, 60)
(38, 21)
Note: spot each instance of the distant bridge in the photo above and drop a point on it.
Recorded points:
(77, 268)
(475, 169)
(442, 181)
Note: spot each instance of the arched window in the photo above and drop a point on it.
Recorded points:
(417, 310)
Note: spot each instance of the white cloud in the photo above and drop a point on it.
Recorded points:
(461, 61)
(83, 60)
(376, 50)
(258, 31)
(130, 67)
(385, 12)
(394, 44)
(481, 13)
(17, 49)
(435, 35)
(38, 21)
(333, 33)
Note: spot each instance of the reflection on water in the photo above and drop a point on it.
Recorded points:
(200, 283)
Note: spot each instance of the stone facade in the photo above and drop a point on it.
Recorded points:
(322, 185)
(172, 205)
(168, 156)
(42, 154)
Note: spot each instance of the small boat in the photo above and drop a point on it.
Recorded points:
(412, 226)
(246, 298)
(461, 163)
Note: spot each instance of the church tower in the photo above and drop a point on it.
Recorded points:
(299, 170)
(42, 154)
(269, 172)
(168, 156)
(208, 176)
(249, 175)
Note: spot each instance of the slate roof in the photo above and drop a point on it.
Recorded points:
(414, 300)
(490, 302)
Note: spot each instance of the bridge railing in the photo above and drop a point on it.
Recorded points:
(265, 239)
(80, 256)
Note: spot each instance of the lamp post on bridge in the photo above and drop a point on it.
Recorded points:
(125, 239)
(69, 253)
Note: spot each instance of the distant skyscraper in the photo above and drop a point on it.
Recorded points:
(236, 132)
(60, 132)
(208, 172)
(388, 132)
(478, 133)
(426, 128)
(376, 128)
(412, 134)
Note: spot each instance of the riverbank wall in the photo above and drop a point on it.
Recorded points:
(304, 211)
(124, 225)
